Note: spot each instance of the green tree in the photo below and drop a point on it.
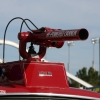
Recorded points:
(91, 76)
(74, 84)
(82, 74)
(99, 80)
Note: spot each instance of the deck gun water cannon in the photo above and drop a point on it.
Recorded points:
(48, 37)
(32, 78)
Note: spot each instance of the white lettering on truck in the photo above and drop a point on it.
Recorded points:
(61, 34)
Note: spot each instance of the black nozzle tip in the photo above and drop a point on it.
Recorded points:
(83, 34)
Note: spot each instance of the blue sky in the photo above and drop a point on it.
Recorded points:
(61, 14)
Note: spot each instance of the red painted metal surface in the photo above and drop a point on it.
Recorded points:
(52, 75)
(39, 77)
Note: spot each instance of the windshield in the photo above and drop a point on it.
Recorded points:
(30, 97)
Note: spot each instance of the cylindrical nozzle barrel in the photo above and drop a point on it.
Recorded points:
(64, 35)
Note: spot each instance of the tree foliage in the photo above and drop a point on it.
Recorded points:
(90, 76)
